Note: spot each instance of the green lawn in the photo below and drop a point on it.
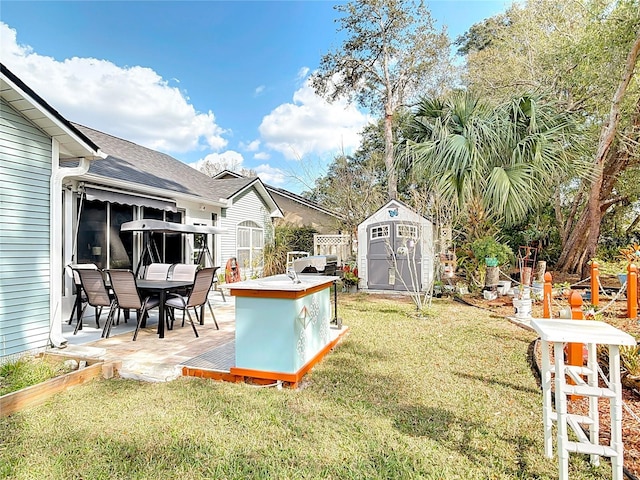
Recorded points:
(450, 396)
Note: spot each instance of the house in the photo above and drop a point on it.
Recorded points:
(134, 182)
(68, 188)
(302, 212)
(296, 209)
(34, 139)
(396, 250)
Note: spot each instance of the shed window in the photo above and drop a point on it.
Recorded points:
(406, 231)
(380, 232)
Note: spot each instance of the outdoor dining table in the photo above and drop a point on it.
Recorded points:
(162, 287)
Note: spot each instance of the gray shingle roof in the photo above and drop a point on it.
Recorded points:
(130, 162)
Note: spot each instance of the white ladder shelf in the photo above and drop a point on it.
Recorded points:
(555, 333)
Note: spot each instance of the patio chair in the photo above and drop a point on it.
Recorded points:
(81, 297)
(123, 283)
(182, 271)
(198, 297)
(98, 296)
(157, 271)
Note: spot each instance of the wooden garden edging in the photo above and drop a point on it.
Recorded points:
(40, 393)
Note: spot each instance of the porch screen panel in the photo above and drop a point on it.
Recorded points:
(158, 238)
(92, 234)
(121, 243)
(174, 244)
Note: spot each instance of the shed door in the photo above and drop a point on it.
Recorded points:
(386, 241)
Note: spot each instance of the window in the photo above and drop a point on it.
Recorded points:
(380, 232)
(249, 245)
(407, 231)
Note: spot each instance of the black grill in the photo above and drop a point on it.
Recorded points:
(316, 265)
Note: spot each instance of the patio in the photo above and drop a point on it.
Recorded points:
(150, 358)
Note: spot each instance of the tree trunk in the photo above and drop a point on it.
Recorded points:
(392, 179)
(583, 240)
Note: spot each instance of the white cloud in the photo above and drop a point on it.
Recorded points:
(229, 160)
(271, 175)
(262, 156)
(131, 102)
(302, 73)
(259, 90)
(311, 125)
(251, 146)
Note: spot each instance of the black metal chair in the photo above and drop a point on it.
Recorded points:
(127, 296)
(197, 297)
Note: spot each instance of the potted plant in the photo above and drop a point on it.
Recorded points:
(350, 281)
(493, 252)
(437, 288)
(489, 255)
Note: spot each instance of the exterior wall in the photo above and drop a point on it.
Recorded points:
(246, 207)
(298, 214)
(25, 169)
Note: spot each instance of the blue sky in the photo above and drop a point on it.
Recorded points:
(222, 81)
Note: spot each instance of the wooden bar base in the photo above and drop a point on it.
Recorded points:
(261, 377)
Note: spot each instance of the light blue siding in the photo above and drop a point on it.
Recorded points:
(25, 170)
(248, 206)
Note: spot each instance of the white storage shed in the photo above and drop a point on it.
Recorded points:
(396, 250)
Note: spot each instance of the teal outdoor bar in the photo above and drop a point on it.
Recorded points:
(283, 328)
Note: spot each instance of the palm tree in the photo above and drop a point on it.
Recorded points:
(494, 162)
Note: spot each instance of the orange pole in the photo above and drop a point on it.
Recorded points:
(547, 292)
(574, 350)
(595, 291)
(632, 290)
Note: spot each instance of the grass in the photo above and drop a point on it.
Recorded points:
(451, 396)
(27, 371)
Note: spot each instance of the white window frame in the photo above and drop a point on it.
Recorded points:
(381, 231)
(255, 248)
(403, 228)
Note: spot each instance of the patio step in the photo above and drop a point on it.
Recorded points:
(149, 372)
(84, 351)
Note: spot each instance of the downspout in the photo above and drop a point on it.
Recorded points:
(58, 174)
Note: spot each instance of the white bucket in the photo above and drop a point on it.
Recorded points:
(489, 295)
(504, 286)
(523, 307)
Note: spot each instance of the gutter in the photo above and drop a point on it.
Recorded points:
(55, 241)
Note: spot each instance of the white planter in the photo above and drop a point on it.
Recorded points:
(489, 295)
(523, 307)
(504, 286)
